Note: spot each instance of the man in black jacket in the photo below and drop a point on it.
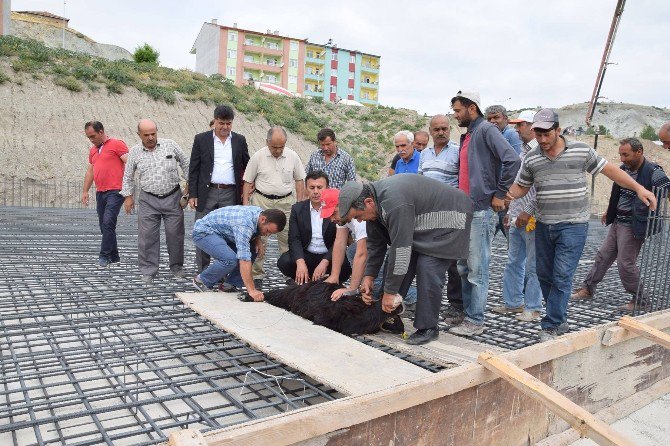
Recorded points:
(218, 160)
(311, 237)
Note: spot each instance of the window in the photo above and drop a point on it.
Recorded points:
(248, 42)
(294, 46)
(334, 56)
(232, 36)
(293, 79)
(365, 95)
(351, 75)
(293, 62)
(271, 62)
(333, 89)
(271, 78)
(232, 54)
(367, 80)
(310, 54)
(273, 45)
(351, 91)
(231, 71)
(308, 87)
(309, 70)
(248, 75)
(333, 73)
(352, 58)
(248, 58)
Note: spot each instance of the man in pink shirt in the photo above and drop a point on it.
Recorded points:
(106, 160)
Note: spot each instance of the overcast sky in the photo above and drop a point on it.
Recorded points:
(517, 53)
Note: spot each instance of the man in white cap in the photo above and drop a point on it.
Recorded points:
(487, 166)
(557, 168)
(521, 289)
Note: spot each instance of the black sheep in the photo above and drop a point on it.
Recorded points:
(348, 315)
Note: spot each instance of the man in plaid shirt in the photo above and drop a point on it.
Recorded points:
(338, 164)
(227, 235)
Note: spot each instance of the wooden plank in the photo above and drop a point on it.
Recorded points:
(579, 418)
(645, 330)
(659, 320)
(187, 437)
(331, 358)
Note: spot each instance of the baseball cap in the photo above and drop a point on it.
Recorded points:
(473, 96)
(348, 194)
(524, 116)
(329, 199)
(544, 119)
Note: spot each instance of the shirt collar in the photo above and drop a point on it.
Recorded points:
(158, 145)
(214, 137)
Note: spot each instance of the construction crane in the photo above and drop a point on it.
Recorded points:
(605, 61)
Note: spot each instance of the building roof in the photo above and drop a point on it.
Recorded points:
(340, 48)
(260, 33)
(44, 14)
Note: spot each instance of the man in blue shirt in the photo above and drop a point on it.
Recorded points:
(409, 158)
(497, 115)
(227, 235)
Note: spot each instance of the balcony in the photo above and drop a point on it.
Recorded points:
(262, 67)
(314, 77)
(314, 60)
(318, 94)
(368, 101)
(370, 85)
(370, 68)
(258, 47)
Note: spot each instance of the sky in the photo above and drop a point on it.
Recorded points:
(515, 53)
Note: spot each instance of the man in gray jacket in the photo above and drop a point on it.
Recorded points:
(425, 224)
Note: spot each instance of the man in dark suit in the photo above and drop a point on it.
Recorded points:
(218, 160)
(310, 237)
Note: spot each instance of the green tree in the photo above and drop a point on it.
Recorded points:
(146, 54)
(648, 133)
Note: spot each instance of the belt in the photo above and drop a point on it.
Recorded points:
(273, 197)
(176, 188)
(221, 186)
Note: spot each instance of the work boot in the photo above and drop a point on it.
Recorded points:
(630, 306)
(504, 309)
(528, 316)
(423, 336)
(453, 316)
(581, 294)
(551, 333)
(467, 328)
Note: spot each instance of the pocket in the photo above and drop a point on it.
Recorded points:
(286, 176)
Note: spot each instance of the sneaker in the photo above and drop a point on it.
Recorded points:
(453, 316)
(467, 328)
(228, 288)
(200, 286)
(179, 274)
(103, 262)
(504, 309)
(562, 329)
(146, 279)
(548, 334)
(423, 336)
(528, 316)
(581, 294)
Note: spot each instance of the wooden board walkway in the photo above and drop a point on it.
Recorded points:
(331, 358)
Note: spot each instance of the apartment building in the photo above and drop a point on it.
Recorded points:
(301, 67)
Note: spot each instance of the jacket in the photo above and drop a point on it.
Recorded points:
(300, 231)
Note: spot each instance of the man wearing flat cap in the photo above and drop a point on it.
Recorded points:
(424, 225)
(557, 169)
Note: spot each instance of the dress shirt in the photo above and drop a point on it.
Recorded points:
(157, 168)
(339, 169)
(316, 245)
(223, 172)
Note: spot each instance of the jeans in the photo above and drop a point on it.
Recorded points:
(474, 270)
(520, 272)
(225, 266)
(377, 287)
(559, 248)
(108, 205)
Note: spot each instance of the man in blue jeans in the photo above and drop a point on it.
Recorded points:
(487, 165)
(231, 236)
(557, 170)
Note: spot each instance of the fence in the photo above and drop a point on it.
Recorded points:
(654, 283)
(28, 192)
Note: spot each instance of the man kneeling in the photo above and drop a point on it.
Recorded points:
(232, 236)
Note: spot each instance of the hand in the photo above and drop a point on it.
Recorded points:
(332, 279)
(522, 220)
(84, 198)
(301, 272)
(603, 219)
(129, 204)
(320, 270)
(256, 295)
(506, 221)
(338, 293)
(260, 248)
(366, 289)
(388, 304)
(497, 204)
(647, 198)
(193, 202)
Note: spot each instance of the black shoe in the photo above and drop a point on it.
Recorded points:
(453, 316)
(423, 336)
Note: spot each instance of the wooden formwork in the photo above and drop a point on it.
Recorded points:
(576, 376)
